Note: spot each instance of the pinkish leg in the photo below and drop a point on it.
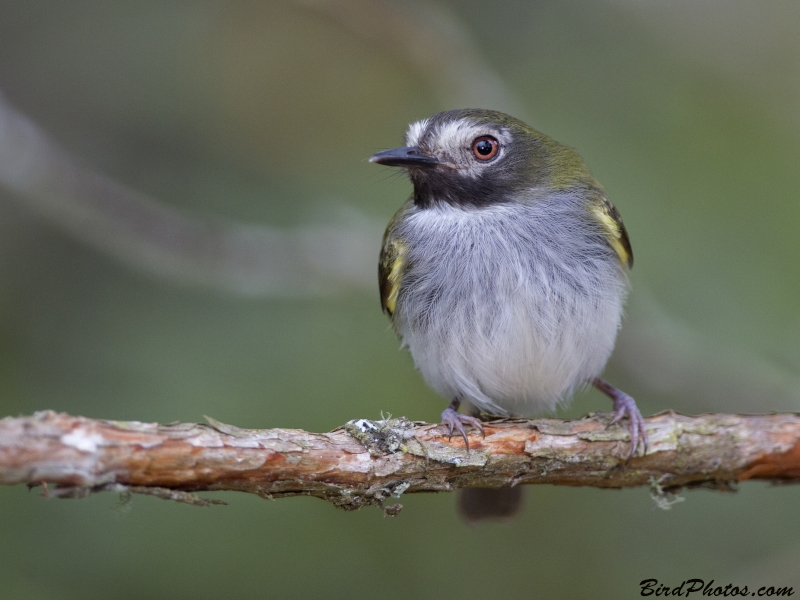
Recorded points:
(625, 406)
(453, 420)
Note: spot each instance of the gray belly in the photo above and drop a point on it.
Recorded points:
(501, 318)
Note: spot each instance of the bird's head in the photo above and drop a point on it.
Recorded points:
(477, 158)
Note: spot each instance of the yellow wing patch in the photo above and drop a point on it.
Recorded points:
(610, 220)
(390, 272)
(393, 261)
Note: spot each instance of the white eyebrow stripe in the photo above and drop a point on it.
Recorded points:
(461, 133)
(457, 134)
(452, 142)
(415, 131)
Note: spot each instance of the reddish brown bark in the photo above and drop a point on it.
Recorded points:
(368, 462)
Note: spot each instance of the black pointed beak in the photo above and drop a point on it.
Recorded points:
(410, 156)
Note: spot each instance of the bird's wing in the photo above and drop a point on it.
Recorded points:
(609, 219)
(392, 262)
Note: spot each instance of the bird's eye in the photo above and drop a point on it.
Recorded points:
(485, 147)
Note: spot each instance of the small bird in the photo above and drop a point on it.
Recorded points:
(505, 273)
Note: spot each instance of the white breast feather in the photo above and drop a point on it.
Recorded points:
(510, 307)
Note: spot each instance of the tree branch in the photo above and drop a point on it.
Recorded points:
(237, 257)
(368, 462)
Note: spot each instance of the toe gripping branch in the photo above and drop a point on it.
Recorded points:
(454, 420)
(625, 406)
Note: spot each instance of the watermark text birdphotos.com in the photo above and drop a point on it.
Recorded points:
(703, 588)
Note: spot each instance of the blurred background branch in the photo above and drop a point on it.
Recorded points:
(368, 462)
(246, 258)
(165, 241)
(433, 41)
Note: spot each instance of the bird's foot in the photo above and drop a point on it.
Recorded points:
(454, 420)
(625, 406)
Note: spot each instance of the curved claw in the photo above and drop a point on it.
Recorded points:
(625, 406)
(454, 420)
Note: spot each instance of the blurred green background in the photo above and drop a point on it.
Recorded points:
(264, 113)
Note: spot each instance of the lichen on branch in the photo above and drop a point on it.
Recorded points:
(369, 463)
